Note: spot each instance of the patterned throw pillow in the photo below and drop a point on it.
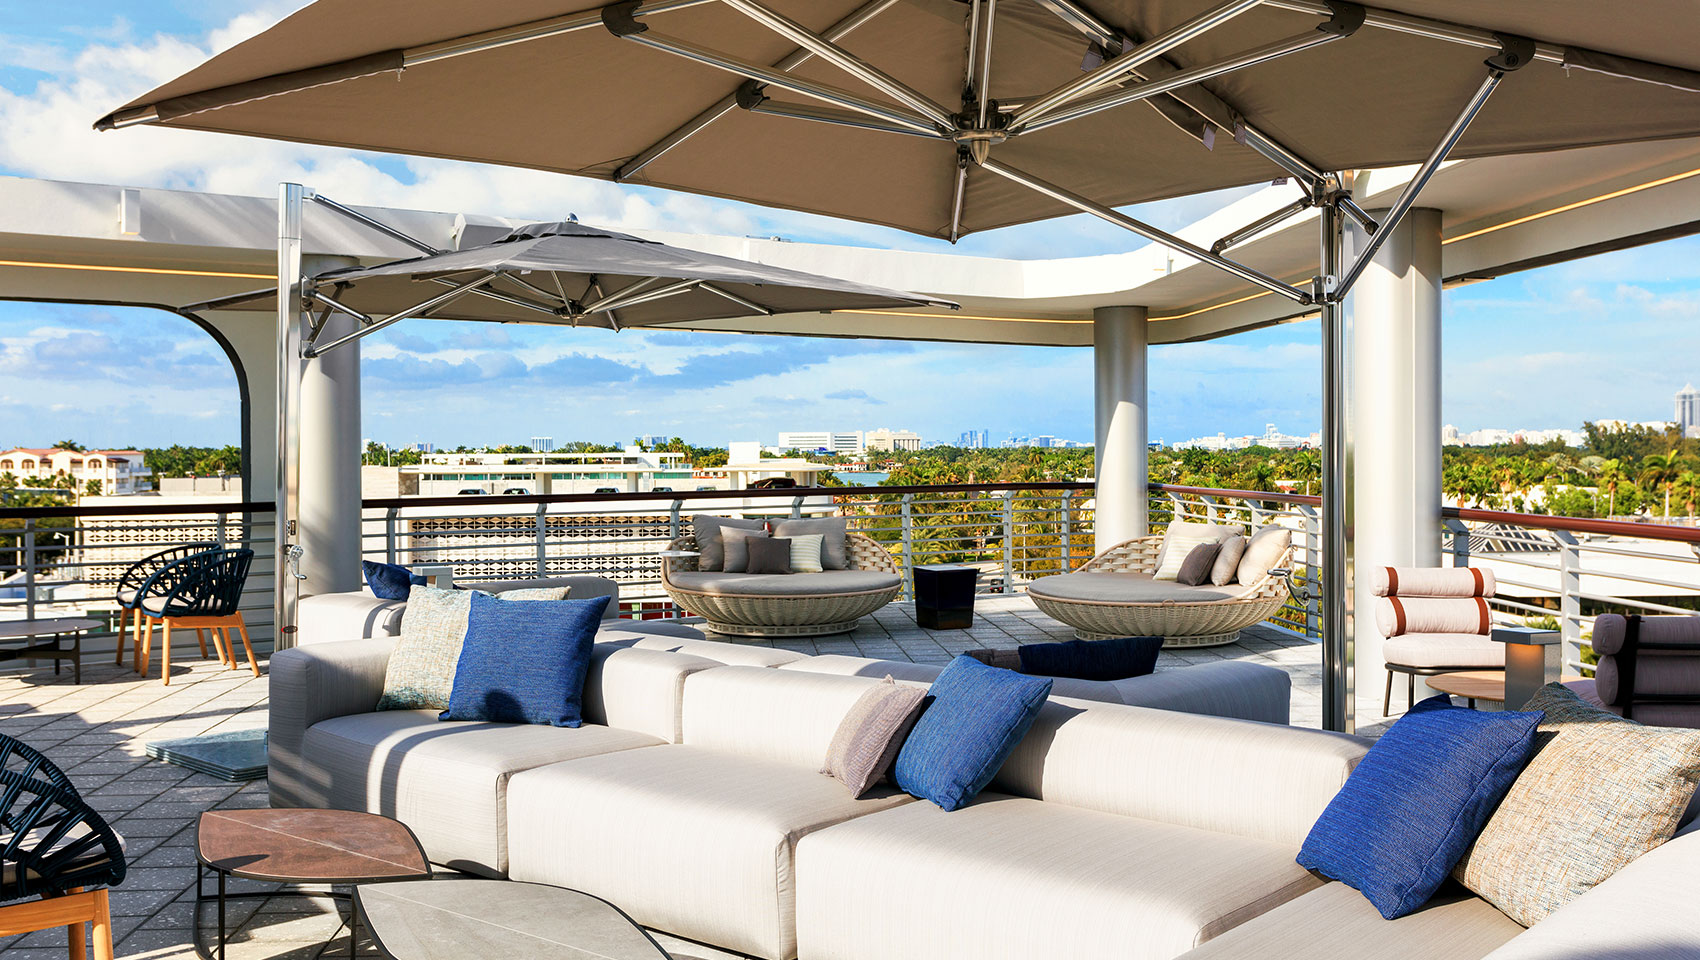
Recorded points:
(869, 736)
(1600, 792)
(806, 553)
(421, 672)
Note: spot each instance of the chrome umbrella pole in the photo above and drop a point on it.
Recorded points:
(1337, 547)
(291, 308)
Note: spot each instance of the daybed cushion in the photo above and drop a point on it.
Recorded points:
(1335, 922)
(697, 842)
(1444, 650)
(785, 585)
(447, 781)
(1008, 877)
(1126, 588)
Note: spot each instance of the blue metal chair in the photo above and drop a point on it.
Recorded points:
(201, 592)
(57, 855)
(130, 588)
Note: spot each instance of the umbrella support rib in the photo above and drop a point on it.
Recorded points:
(720, 291)
(1420, 179)
(1262, 223)
(778, 78)
(728, 103)
(749, 98)
(1111, 215)
(375, 226)
(311, 350)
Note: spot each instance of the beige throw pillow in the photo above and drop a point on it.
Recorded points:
(1179, 540)
(421, 671)
(868, 738)
(1262, 552)
(806, 553)
(1227, 564)
(1600, 792)
(707, 528)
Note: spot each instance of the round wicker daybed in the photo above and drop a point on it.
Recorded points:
(785, 605)
(1113, 595)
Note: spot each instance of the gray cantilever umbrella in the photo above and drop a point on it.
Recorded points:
(948, 116)
(568, 272)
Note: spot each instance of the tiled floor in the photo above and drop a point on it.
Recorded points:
(98, 730)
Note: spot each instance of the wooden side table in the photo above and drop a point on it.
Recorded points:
(1487, 686)
(298, 846)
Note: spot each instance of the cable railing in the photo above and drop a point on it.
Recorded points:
(66, 561)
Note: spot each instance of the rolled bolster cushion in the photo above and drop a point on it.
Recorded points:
(1612, 629)
(1397, 616)
(1432, 582)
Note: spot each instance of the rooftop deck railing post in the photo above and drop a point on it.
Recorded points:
(1210, 505)
(389, 534)
(1569, 593)
(1008, 541)
(29, 568)
(542, 522)
(1459, 546)
(908, 539)
(796, 508)
(1312, 554)
(218, 528)
(1067, 531)
(674, 529)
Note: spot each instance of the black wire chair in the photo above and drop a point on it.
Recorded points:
(130, 592)
(201, 592)
(53, 847)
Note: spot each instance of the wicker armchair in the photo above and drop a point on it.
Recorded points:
(805, 613)
(1179, 621)
(57, 855)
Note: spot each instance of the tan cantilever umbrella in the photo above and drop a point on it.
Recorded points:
(949, 116)
(570, 273)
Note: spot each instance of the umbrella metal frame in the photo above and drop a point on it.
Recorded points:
(1123, 70)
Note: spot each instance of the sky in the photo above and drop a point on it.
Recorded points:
(1613, 336)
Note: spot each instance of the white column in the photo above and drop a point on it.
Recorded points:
(1395, 315)
(1119, 372)
(329, 497)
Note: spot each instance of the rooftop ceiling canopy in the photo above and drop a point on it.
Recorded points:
(954, 110)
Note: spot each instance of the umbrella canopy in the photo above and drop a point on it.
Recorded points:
(881, 111)
(572, 273)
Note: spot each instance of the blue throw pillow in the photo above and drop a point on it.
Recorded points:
(974, 717)
(1116, 658)
(524, 661)
(1417, 801)
(390, 581)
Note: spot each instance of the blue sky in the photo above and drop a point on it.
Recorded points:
(1612, 336)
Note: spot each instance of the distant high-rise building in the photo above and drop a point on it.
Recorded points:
(543, 444)
(885, 439)
(974, 440)
(827, 441)
(1688, 411)
(650, 441)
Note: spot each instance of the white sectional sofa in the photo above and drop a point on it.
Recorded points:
(692, 799)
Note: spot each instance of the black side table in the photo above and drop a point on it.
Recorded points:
(944, 596)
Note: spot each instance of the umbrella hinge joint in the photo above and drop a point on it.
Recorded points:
(1514, 53)
(751, 94)
(621, 18)
(1348, 17)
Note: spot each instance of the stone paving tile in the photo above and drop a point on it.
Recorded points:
(97, 732)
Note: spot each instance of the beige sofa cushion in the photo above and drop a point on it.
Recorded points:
(698, 843)
(1444, 650)
(779, 715)
(640, 689)
(923, 674)
(734, 654)
(447, 781)
(1008, 877)
(1335, 922)
(1256, 780)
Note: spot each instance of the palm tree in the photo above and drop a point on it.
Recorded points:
(1688, 488)
(1611, 475)
(1658, 471)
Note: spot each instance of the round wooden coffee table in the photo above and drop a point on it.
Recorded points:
(301, 847)
(479, 919)
(1485, 685)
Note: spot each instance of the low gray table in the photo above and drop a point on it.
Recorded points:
(478, 919)
(55, 627)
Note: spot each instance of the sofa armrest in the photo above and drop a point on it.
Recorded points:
(310, 684)
(1645, 910)
(333, 617)
(1231, 688)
